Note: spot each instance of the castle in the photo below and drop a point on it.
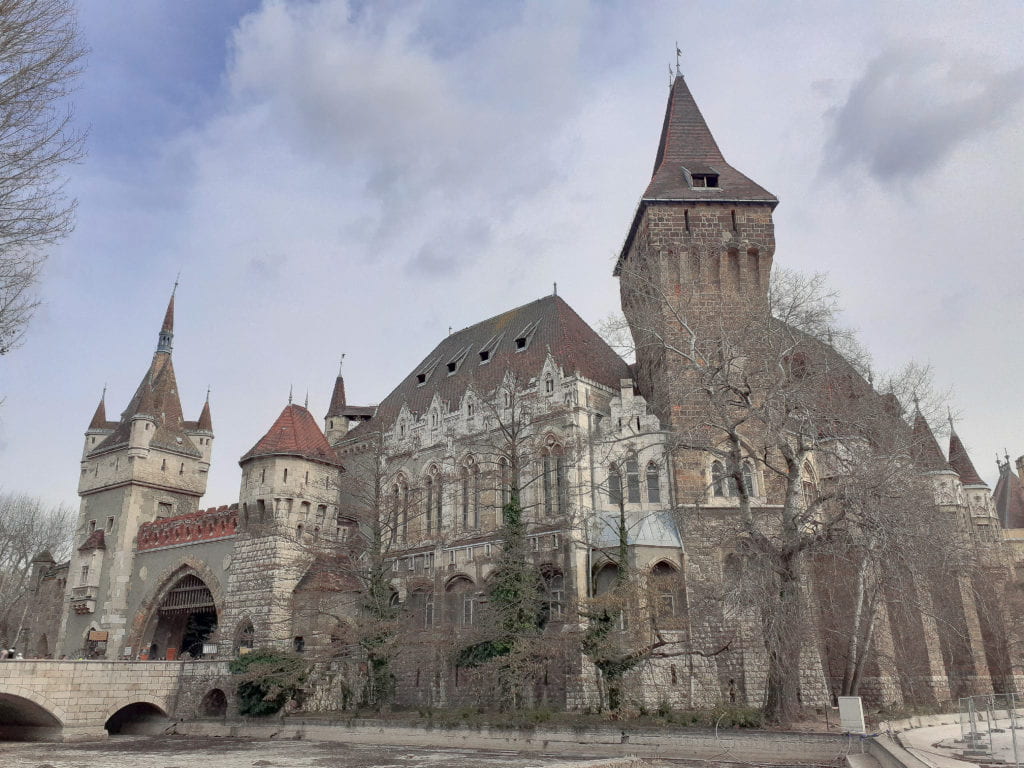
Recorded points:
(532, 399)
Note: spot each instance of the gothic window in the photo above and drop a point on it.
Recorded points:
(508, 399)
(718, 486)
(748, 479)
(614, 485)
(809, 486)
(632, 481)
(653, 484)
(430, 504)
(555, 492)
(433, 418)
(470, 495)
(554, 587)
(549, 384)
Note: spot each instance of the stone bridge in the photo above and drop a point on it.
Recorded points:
(78, 700)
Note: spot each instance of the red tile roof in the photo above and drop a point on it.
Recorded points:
(295, 433)
(552, 326)
(1009, 498)
(95, 541)
(961, 462)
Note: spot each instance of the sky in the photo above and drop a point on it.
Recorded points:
(354, 178)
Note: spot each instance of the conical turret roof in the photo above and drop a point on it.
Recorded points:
(205, 420)
(925, 448)
(337, 407)
(295, 433)
(1009, 498)
(960, 461)
(99, 418)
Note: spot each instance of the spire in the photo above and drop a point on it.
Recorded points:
(925, 448)
(167, 329)
(689, 165)
(1008, 497)
(338, 396)
(99, 419)
(960, 461)
(205, 421)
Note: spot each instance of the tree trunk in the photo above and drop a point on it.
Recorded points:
(783, 628)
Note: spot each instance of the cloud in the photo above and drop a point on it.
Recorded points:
(913, 107)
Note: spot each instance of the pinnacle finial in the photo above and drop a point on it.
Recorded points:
(949, 418)
(290, 394)
(554, 289)
(306, 403)
(341, 364)
(207, 393)
(177, 277)
(679, 53)
(103, 395)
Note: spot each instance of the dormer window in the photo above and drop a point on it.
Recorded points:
(700, 176)
(453, 364)
(486, 351)
(421, 378)
(485, 355)
(424, 373)
(523, 338)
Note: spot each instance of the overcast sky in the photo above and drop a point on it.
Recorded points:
(355, 178)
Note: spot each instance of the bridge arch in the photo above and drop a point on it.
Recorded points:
(136, 714)
(25, 714)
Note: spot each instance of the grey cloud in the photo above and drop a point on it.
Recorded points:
(911, 109)
(447, 255)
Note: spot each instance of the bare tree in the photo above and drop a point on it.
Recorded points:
(40, 57)
(779, 392)
(28, 527)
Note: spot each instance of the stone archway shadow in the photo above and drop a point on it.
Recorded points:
(28, 716)
(136, 716)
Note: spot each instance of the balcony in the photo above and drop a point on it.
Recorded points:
(83, 599)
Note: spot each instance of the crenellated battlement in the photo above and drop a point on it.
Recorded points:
(205, 525)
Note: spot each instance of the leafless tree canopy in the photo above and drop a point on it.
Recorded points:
(28, 527)
(40, 56)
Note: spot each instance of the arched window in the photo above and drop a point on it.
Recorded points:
(461, 600)
(653, 484)
(555, 491)
(554, 597)
(749, 482)
(718, 486)
(470, 495)
(809, 486)
(429, 517)
(667, 595)
(433, 418)
(421, 606)
(614, 485)
(504, 481)
(632, 481)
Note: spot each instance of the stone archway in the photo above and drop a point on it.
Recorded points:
(185, 607)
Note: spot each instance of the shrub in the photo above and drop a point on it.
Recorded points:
(268, 679)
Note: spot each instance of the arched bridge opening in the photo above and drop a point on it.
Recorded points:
(24, 720)
(138, 719)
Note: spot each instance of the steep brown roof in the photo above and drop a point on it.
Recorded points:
(549, 324)
(95, 541)
(99, 419)
(686, 142)
(687, 147)
(925, 448)
(157, 398)
(1009, 498)
(205, 420)
(295, 433)
(961, 462)
(337, 397)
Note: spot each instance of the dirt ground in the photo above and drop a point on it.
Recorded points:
(189, 752)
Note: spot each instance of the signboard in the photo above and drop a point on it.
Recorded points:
(96, 636)
(127, 650)
(209, 649)
(851, 714)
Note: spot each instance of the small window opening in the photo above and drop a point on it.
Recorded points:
(421, 378)
(181, 469)
(686, 220)
(452, 366)
(549, 384)
(163, 465)
(733, 214)
(92, 526)
(521, 342)
(485, 355)
(110, 524)
(286, 474)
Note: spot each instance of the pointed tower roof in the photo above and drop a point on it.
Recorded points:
(961, 462)
(925, 448)
(156, 397)
(689, 166)
(337, 407)
(99, 419)
(295, 433)
(687, 148)
(1009, 497)
(205, 420)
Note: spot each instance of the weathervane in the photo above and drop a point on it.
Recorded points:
(679, 72)
(341, 362)
(177, 277)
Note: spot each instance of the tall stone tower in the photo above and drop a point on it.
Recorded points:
(288, 506)
(699, 251)
(148, 465)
